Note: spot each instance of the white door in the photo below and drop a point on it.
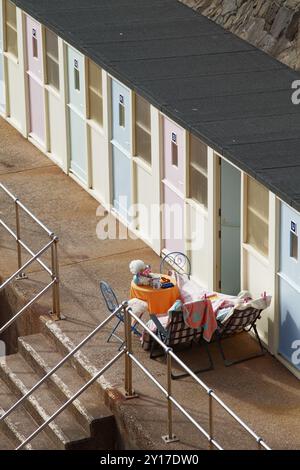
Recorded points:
(76, 108)
(173, 187)
(35, 80)
(2, 89)
(121, 149)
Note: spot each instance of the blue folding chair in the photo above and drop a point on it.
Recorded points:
(112, 304)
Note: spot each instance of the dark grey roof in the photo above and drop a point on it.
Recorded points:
(233, 96)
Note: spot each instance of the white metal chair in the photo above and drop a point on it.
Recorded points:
(177, 261)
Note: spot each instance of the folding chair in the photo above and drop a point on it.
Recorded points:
(177, 261)
(239, 321)
(177, 334)
(112, 304)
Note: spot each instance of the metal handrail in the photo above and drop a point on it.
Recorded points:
(25, 209)
(35, 257)
(25, 266)
(23, 245)
(129, 359)
(73, 398)
(60, 364)
(28, 305)
(169, 352)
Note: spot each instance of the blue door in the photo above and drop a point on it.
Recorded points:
(2, 89)
(121, 148)
(289, 286)
(230, 229)
(76, 108)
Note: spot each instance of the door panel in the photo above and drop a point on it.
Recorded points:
(230, 229)
(121, 182)
(174, 155)
(37, 110)
(35, 80)
(121, 148)
(173, 221)
(173, 187)
(121, 111)
(289, 284)
(289, 323)
(2, 88)
(1, 29)
(76, 80)
(76, 106)
(289, 265)
(78, 150)
(34, 48)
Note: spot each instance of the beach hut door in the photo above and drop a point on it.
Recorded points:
(173, 187)
(76, 108)
(289, 286)
(121, 149)
(35, 80)
(230, 229)
(2, 89)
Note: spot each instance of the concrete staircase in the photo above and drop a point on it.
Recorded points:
(86, 424)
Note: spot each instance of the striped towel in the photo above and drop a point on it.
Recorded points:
(200, 315)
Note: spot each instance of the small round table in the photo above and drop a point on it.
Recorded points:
(159, 300)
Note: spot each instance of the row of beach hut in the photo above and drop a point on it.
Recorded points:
(161, 180)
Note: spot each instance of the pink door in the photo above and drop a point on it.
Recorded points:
(173, 187)
(35, 79)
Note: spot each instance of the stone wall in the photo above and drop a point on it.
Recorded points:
(272, 25)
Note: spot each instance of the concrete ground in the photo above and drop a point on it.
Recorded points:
(260, 391)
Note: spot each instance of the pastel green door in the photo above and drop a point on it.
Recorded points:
(121, 149)
(76, 114)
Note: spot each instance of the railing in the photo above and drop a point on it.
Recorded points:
(129, 316)
(127, 351)
(53, 272)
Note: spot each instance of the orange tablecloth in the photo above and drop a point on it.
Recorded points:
(159, 300)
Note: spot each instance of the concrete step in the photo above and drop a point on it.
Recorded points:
(5, 443)
(65, 431)
(89, 408)
(19, 425)
(64, 345)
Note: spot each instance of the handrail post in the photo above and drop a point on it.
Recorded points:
(211, 420)
(170, 437)
(55, 277)
(259, 443)
(129, 392)
(18, 234)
